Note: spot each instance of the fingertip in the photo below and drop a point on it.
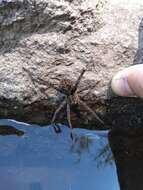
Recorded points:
(120, 86)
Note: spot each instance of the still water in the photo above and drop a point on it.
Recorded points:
(43, 160)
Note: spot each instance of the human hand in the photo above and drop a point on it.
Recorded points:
(129, 82)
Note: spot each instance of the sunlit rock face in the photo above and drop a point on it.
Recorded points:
(50, 40)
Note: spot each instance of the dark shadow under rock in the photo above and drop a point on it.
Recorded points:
(127, 147)
(117, 112)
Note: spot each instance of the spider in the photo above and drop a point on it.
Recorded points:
(69, 89)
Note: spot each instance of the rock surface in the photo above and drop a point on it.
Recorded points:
(48, 40)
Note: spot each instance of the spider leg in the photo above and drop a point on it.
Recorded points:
(69, 118)
(90, 110)
(41, 81)
(62, 104)
(78, 81)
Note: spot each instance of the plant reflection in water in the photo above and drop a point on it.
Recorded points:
(83, 143)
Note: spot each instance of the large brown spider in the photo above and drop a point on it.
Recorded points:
(69, 90)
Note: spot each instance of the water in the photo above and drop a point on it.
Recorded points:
(41, 159)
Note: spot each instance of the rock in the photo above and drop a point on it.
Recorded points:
(49, 40)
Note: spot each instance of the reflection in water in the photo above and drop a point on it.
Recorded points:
(104, 156)
(83, 143)
(9, 130)
(41, 160)
(80, 145)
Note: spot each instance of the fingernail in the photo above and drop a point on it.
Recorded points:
(120, 85)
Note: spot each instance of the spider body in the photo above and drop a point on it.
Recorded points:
(66, 87)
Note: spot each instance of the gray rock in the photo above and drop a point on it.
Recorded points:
(48, 40)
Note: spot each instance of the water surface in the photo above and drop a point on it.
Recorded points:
(41, 159)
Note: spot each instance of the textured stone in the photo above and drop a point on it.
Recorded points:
(56, 39)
